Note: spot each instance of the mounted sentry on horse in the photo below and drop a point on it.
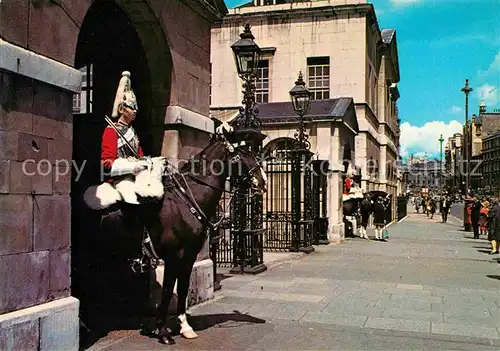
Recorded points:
(178, 222)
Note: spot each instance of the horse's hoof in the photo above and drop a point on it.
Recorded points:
(166, 340)
(189, 334)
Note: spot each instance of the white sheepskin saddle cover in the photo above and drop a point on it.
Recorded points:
(147, 184)
(354, 193)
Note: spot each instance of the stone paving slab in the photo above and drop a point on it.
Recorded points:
(416, 298)
(304, 288)
(410, 325)
(405, 305)
(368, 311)
(465, 330)
(330, 318)
(397, 313)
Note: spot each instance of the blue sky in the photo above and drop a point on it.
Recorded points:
(440, 44)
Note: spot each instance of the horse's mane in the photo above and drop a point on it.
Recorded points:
(207, 152)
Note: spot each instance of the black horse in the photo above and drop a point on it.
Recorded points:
(177, 233)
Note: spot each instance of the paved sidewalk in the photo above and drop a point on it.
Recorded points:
(428, 287)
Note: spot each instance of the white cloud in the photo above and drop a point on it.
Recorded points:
(455, 109)
(489, 93)
(494, 66)
(421, 139)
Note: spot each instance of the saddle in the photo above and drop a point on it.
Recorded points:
(146, 186)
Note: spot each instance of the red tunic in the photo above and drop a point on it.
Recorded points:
(347, 185)
(111, 150)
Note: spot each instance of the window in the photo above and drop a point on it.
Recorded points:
(262, 82)
(76, 103)
(82, 103)
(318, 73)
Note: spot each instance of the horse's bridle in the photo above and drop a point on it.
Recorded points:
(187, 196)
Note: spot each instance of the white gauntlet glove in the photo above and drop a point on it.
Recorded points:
(123, 166)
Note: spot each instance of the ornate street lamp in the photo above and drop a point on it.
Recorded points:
(247, 227)
(303, 224)
(301, 97)
(246, 53)
(301, 102)
(247, 57)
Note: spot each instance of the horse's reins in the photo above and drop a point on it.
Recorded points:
(191, 202)
(193, 205)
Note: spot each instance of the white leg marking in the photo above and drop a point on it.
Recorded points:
(186, 330)
(185, 327)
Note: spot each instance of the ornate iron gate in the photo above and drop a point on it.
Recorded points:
(289, 214)
(221, 237)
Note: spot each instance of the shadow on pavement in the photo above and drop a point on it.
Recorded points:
(207, 321)
(497, 277)
(484, 251)
(222, 276)
(203, 322)
(106, 324)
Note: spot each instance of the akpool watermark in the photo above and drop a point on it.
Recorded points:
(60, 168)
(238, 166)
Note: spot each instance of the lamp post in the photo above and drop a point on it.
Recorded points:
(247, 56)
(441, 161)
(301, 102)
(467, 90)
(247, 227)
(303, 226)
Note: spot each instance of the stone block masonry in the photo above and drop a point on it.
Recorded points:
(34, 208)
(36, 310)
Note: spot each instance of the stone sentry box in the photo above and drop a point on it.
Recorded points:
(36, 309)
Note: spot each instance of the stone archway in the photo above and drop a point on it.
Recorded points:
(113, 38)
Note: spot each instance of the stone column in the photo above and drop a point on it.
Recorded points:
(361, 159)
(186, 135)
(335, 222)
(382, 180)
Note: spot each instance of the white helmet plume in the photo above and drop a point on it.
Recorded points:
(124, 94)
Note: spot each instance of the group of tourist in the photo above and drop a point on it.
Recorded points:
(484, 218)
(430, 204)
(483, 214)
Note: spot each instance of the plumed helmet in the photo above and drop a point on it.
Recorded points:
(124, 95)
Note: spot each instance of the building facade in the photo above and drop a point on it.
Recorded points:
(454, 165)
(490, 177)
(482, 127)
(428, 174)
(50, 134)
(342, 53)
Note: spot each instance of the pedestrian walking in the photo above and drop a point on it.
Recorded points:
(427, 206)
(418, 203)
(483, 217)
(474, 217)
(379, 218)
(432, 207)
(494, 227)
(445, 208)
